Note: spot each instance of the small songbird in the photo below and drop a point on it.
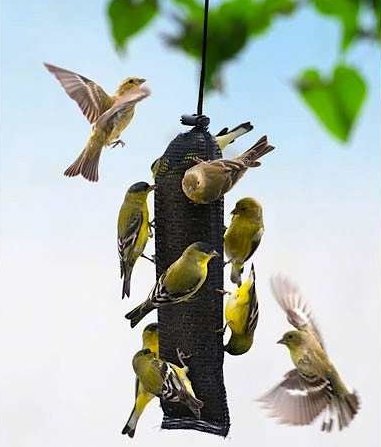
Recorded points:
(133, 230)
(314, 385)
(165, 380)
(241, 315)
(243, 236)
(179, 283)
(109, 115)
(226, 136)
(208, 181)
(143, 397)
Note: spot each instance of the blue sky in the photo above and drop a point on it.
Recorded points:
(66, 375)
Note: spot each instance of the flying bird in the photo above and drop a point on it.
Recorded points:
(227, 136)
(314, 386)
(109, 115)
(208, 181)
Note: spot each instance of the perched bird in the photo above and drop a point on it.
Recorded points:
(143, 397)
(226, 136)
(241, 315)
(133, 230)
(165, 380)
(179, 283)
(243, 236)
(207, 181)
(315, 385)
(159, 166)
(109, 115)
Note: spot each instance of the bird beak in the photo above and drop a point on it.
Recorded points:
(281, 342)
(215, 254)
(142, 81)
(152, 187)
(234, 212)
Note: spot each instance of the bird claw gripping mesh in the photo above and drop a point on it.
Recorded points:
(192, 327)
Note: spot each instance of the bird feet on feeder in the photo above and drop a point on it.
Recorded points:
(182, 356)
(221, 291)
(222, 330)
(149, 259)
(117, 142)
(197, 159)
(227, 262)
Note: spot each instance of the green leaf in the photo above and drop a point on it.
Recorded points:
(347, 12)
(129, 17)
(336, 101)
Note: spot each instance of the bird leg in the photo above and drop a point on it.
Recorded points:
(197, 159)
(222, 330)
(182, 356)
(227, 262)
(149, 259)
(221, 291)
(117, 142)
(151, 225)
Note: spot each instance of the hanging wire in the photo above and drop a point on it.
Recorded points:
(203, 59)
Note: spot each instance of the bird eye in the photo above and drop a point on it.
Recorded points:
(198, 183)
(131, 81)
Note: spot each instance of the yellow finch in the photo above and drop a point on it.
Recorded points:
(226, 136)
(165, 380)
(133, 230)
(143, 397)
(243, 236)
(314, 385)
(109, 115)
(159, 166)
(179, 283)
(209, 180)
(241, 315)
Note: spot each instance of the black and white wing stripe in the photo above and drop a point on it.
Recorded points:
(292, 302)
(127, 242)
(91, 98)
(253, 309)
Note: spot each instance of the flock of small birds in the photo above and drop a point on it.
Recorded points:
(314, 386)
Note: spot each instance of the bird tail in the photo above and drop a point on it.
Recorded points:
(194, 405)
(261, 147)
(130, 427)
(235, 275)
(139, 312)
(225, 136)
(343, 409)
(126, 273)
(88, 160)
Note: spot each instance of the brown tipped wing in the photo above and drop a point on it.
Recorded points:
(91, 98)
(259, 149)
(292, 302)
(295, 401)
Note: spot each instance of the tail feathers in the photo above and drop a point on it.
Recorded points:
(194, 405)
(86, 164)
(343, 410)
(260, 148)
(139, 312)
(126, 273)
(75, 168)
(237, 270)
(130, 427)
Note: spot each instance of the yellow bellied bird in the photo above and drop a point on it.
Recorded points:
(109, 115)
(314, 385)
(133, 230)
(179, 283)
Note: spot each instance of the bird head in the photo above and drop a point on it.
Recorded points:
(201, 251)
(248, 207)
(193, 184)
(292, 339)
(129, 84)
(140, 190)
(151, 338)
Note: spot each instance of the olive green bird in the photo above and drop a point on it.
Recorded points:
(225, 136)
(165, 380)
(208, 181)
(142, 397)
(133, 230)
(109, 115)
(314, 386)
(179, 283)
(241, 315)
(243, 236)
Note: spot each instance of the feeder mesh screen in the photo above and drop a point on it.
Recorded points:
(192, 327)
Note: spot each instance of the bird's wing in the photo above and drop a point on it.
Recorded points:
(127, 241)
(91, 98)
(297, 400)
(254, 245)
(292, 302)
(222, 132)
(114, 113)
(173, 389)
(161, 296)
(253, 306)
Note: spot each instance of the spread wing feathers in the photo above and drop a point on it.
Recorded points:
(117, 111)
(292, 302)
(261, 147)
(295, 400)
(226, 136)
(253, 307)
(173, 390)
(91, 98)
(126, 242)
